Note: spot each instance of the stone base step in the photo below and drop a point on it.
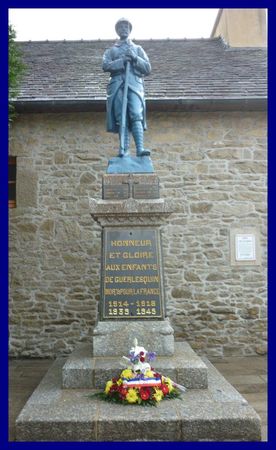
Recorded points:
(218, 413)
(113, 338)
(81, 370)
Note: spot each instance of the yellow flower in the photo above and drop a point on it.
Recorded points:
(149, 373)
(158, 395)
(108, 386)
(119, 382)
(169, 383)
(132, 396)
(127, 373)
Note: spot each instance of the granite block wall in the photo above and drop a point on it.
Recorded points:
(212, 168)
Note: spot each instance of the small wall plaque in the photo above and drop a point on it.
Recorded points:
(245, 247)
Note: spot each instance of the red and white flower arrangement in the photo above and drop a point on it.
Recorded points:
(139, 383)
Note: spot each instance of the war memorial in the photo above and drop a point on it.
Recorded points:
(132, 304)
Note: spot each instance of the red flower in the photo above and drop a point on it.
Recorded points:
(142, 359)
(114, 388)
(123, 392)
(144, 393)
(114, 380)
(142, 353)
(164, 389)
(157, 375)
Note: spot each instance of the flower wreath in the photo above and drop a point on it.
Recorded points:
(139, 383)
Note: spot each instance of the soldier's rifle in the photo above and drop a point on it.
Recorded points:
(124, 110)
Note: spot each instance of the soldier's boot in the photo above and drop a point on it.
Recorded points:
(138, 136)
(124, 151)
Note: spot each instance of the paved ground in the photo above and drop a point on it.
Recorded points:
(248, 375)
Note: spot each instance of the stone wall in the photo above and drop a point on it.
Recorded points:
(212, 166)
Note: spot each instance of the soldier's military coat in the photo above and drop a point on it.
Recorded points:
(113, 62)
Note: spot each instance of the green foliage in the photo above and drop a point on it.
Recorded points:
(16, 70)
(115, 398)
(173, 394)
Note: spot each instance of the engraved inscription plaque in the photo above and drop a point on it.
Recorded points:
(132, 279)
(145, 191)
(115, 191)
(124, 186)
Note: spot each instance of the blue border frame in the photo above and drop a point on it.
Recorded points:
(4, 444)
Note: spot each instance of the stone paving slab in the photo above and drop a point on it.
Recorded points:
(82, 370)
(257, 397)
(249, 364)
(218, 413)
(245, 379)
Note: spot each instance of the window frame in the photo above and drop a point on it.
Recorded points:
(12, 181)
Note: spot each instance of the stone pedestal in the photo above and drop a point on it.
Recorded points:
(132, 303)
(60, 409)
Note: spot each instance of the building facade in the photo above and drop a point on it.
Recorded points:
(207, 132)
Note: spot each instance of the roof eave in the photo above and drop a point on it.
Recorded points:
(153, 104)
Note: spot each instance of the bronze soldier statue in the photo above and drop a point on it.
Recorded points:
(126, 110)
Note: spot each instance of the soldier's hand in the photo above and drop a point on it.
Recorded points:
(131, 55)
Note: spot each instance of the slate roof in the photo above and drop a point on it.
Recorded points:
(184, 72)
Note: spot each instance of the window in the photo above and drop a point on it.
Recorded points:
(12, 181)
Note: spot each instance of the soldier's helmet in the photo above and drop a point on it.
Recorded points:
(123, 19)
